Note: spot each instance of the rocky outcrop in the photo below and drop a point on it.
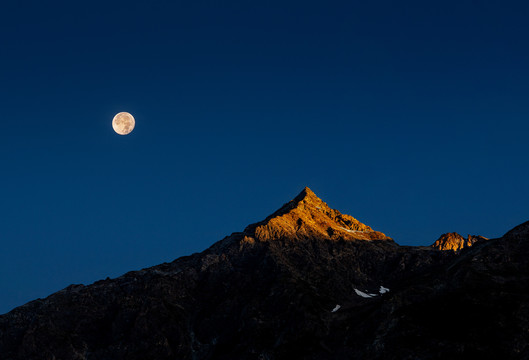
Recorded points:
(455, 242)
(307, 216)
(290, 288)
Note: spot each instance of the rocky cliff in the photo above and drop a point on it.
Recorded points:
(455, 242)
(306, 283)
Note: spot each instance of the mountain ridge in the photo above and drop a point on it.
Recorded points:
(293, 290)
(309, 216)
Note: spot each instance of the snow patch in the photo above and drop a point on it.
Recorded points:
(336, 308)
(383, 290)
(363, 294)
(352, 231)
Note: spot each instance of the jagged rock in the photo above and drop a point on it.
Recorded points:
(271, 292)
(307, 216)
(455, 242)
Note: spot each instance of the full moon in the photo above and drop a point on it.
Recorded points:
(123, 123)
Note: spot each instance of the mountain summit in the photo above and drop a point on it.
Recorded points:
(305, 283)
(455, 242)
(307, 216)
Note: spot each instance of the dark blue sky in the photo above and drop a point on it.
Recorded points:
(411, 116)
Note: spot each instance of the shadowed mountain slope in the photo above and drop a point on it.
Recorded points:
(305, 283)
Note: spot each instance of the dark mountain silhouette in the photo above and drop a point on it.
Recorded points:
(306, 283)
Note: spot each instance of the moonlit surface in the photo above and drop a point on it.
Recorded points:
(123, 123)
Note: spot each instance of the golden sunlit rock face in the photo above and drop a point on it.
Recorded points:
(307, 216)
(455, 242)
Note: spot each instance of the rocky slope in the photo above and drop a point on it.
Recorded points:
(305, 283)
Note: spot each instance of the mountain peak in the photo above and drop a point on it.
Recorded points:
(307, 216)
(455, 242)
(307, 193)
(305, 198)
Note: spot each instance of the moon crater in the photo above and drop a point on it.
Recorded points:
(123, 123)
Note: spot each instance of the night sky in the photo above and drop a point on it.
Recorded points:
(412, 116)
